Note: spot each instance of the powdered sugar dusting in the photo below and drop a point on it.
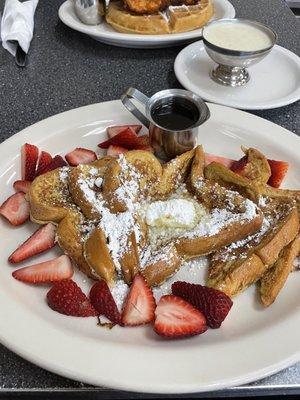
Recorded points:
(64, 174)
(219, 218)
(128, 191)
(119, 293)
(152, 255)
(117, 227)
(262, 201)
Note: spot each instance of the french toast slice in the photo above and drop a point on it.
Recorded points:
(84, 184)
(160, 265)
(98, 257)
(49, 196)
(242, 263)
(231, 218)
(252, 189)
(274, 279)
(50, 201)
(174, 173)
(104, 262)
(256, 168)
(129, 176)
(69, 234)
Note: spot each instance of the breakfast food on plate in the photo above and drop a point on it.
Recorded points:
(242, 263)
(156, 17)
(130, 223)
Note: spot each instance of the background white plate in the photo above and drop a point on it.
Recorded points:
(251, 344)
(275, 81)
(106, 34)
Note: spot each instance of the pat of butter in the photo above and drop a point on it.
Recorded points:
(175, 213)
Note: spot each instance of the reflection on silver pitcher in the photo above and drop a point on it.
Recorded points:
(172, 116)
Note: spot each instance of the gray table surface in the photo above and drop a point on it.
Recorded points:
(66, 70)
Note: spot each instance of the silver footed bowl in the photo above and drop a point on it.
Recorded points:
(233, 64)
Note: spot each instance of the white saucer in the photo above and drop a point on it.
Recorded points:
(275, 81)
(106, 34)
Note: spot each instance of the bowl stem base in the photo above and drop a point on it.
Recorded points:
(230, 76)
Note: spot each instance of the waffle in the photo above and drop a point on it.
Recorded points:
(175, 19)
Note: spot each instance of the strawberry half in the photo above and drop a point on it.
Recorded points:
(115, 130)
(29, 158)
(67, 298)
(80, 156)
(127, 138)
(278, 172)
(49, 271)
(114, 151)
(214, 304)
(57, 162)
(139, 305)
(22, 186)
(43, 239)
(103, 301)
(209, 158)
(175, 318)
(44, 162)
(16, 209)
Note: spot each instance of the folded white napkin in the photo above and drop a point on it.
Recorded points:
(17, 24)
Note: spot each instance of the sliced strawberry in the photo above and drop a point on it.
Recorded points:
(44, 161)
(209, 158)
(239, 165)
(16, 209)
(175, 318)
(49, 271)
(57, 162)
(67, 298)
(127, 138)
(115, 130)
(139, 305)
(214, 304)
(278, 172)
(80, 156)
(29, 157)
(43, 239)
(103, 301)
(114, 151)
(22, 186)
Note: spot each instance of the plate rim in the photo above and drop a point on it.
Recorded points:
(142, 40)
(186, 83)
(27, 354)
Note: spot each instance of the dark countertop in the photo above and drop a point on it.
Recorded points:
(67, 69)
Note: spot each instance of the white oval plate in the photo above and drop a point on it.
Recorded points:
(136, 358)
(275, 81)
(106, 34)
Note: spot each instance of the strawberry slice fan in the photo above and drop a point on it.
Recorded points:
(191, 308)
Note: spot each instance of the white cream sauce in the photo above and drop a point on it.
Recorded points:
(237, 36)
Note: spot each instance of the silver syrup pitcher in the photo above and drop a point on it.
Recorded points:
(167, 142)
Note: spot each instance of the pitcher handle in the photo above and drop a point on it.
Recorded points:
(133, 93)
